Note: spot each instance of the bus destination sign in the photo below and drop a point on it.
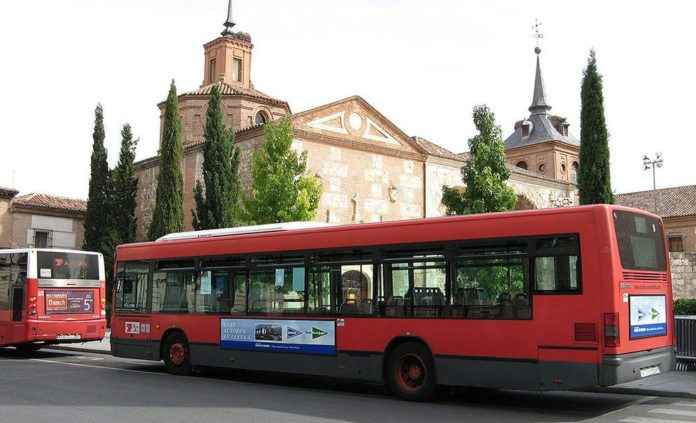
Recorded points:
(69, 301)
(303, 336)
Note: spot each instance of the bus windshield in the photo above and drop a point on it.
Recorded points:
(64, 265)
(641, 242)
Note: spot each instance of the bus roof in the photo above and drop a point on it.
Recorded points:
(55, 250)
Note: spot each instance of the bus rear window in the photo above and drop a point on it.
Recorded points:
(641, 242)
(60, 265)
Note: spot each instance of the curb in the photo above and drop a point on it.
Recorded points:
(645, 392)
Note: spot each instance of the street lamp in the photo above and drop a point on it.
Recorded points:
(649, 163)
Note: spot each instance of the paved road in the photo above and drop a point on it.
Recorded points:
(62, 387)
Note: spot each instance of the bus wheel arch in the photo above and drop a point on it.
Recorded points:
(175, 351)
(409, 369)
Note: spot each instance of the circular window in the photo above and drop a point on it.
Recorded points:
(542, 168)
(563, 168)
(522, 165)
(261, 118)
(355, 121)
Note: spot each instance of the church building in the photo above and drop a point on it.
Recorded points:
(370, 169)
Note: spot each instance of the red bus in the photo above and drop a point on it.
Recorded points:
(542, 300)
(51, 296)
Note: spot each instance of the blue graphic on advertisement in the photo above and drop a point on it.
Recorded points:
(303, 336)
(648, 316)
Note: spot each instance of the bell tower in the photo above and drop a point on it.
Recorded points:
(228, 57)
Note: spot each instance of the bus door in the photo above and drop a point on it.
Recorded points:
(562, 303)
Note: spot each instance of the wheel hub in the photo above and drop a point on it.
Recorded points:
(177, 354)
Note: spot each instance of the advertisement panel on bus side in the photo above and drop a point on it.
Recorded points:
(302, 336)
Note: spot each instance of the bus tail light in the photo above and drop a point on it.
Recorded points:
(32, 306)
(611, 330)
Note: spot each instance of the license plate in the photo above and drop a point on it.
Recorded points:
(649, 371)
(68, 337)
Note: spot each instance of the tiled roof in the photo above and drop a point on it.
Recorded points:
(7, 193)
(53, 203)
(666, 202)
(542, 130)
(228, 89)
(435, 150)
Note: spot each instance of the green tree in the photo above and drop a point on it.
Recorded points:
(218, 204)
(125, 190)
(97, 219)
(594, 176)
(281, 191)
(485, 174)
(168, 215)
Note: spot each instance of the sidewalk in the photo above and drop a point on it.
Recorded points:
(672, 384)
(100, 347)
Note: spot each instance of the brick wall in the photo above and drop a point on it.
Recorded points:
(683, 275)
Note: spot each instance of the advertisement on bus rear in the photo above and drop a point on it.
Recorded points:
(69, 301)
(300, 336)
(648, 316)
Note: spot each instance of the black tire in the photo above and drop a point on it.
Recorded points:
(410, 372)
(27, 349)
(177, 355)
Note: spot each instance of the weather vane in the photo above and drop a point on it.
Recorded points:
(537, 35)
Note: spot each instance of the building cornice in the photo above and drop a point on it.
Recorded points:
(357, 145)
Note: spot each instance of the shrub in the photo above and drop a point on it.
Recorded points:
(685, 307)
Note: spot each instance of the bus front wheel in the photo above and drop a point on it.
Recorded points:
(411, 372)
(177, 355)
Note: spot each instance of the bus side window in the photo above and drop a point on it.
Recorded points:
(491, 284)
(557, 265)
(414, 284)
(319, 298)
(5, 276)
(131, 286)
(277, 287)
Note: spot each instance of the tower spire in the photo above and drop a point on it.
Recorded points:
(539, 104)
(229, 23)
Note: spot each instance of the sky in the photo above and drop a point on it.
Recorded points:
(423, 64)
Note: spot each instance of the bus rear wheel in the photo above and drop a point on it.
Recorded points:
(177, 355)
(410, 372)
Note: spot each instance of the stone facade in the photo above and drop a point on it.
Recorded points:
(6, 196)
(684, 228)
(50, 221)
(683, 275)
(370, 169)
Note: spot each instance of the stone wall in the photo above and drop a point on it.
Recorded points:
(364, 187)
(5, 223)
(684, 227)
(683, 275)
(65, 232)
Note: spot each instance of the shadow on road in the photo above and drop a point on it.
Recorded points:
(221, 390)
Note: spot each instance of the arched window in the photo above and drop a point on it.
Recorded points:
(574, 172)
(261, 118)
(522, 165)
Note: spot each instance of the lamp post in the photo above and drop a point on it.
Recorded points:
(649, 163)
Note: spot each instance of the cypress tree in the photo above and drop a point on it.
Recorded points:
(97, 220)
(594, 178)
(485, 174)
(125, 189)
(168, 215)
(281, 191)
(217, 205)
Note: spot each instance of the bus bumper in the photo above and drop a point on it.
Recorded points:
(616, 369)
(66, 331)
